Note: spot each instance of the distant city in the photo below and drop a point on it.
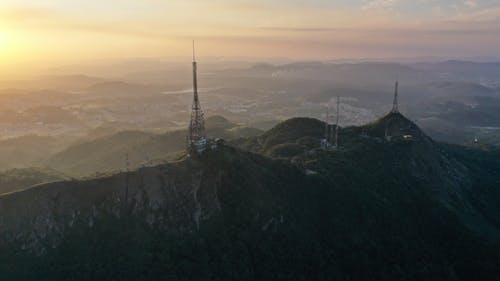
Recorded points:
(156, 96)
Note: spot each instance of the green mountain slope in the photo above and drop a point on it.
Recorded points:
(19, 179)
(294, 135)
(29, 151)
(108, 153)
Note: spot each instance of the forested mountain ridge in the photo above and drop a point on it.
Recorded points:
(381, 207)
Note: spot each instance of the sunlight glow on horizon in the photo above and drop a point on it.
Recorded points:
(58, 31)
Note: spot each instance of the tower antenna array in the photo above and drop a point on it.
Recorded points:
(196, 135)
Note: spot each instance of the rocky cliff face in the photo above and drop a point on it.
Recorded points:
(50, 210)
(176, 196)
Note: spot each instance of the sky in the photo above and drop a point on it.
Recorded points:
(56, 31)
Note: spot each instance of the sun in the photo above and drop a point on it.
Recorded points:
(5, 45)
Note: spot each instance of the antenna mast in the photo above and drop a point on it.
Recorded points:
(325, 143)
(327, 123)
(127, 179)
(194, 57)
(337, 124)
(395, 103)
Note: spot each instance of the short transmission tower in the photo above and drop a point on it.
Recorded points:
(337, 123)
(196, 136)
(395, 108)
(331, 140)
(127, 180)
(325, 142)
(327, 123)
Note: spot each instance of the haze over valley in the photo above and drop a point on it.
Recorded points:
(453, 101)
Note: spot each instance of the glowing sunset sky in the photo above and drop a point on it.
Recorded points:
(65, 30)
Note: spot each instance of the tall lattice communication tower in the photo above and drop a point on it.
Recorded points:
(196, 139)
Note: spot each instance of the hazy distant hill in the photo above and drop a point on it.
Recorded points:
(377, 209)
(122, 88)
(20, 179)
(29, 151)
(463, 70)
(62, 82)
(364, 73)
(47, 115)
(108, 153)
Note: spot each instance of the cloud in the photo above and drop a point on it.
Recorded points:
(488, 15)
(241, 27)
(470, 4)
(380, 4)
